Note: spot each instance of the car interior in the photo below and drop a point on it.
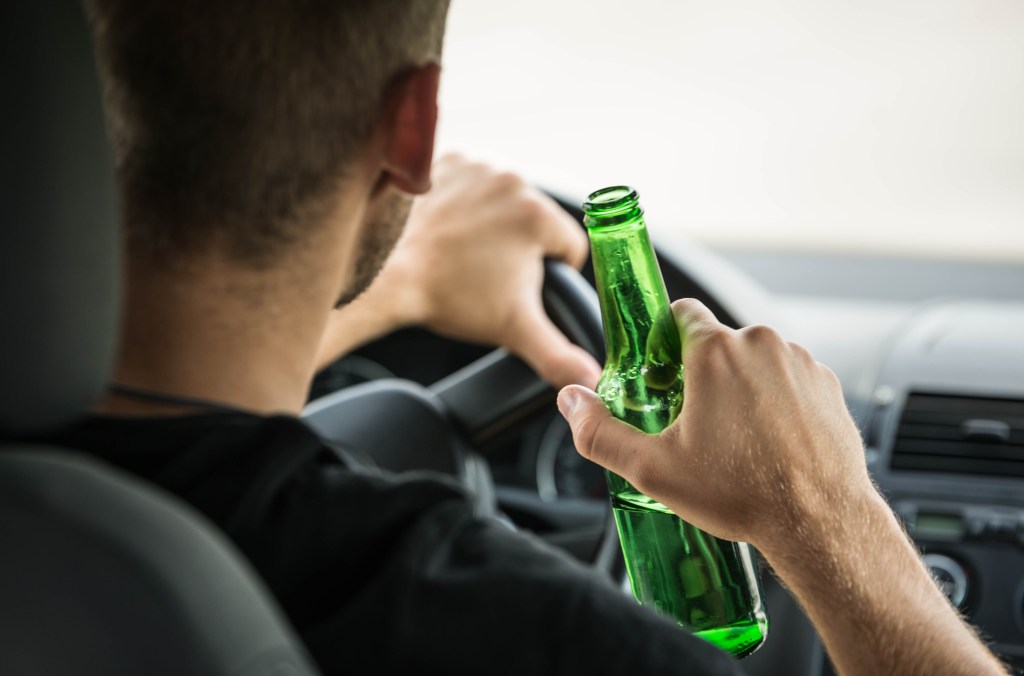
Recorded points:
(103, 574)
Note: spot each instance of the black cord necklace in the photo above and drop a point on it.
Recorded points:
(151, 396)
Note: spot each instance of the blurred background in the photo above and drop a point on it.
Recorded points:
(869, 148)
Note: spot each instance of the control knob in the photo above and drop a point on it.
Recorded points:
(950, 575)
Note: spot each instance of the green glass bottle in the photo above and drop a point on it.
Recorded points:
(708, 585)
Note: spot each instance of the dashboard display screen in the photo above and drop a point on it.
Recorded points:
(942, 526)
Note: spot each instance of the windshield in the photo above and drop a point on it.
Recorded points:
(867, 127)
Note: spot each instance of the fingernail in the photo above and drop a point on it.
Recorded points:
(567, 400)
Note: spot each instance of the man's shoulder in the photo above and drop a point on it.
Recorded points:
(192, 446)
(244, 452)
(396, 560)
(241, 469)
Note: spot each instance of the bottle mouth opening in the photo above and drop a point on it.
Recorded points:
(611, 206)
(607, 201)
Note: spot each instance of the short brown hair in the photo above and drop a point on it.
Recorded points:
(233, 121)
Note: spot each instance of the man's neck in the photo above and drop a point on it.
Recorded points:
(212, 331)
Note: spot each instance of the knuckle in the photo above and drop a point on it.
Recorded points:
(762, 335)
(717, 345)
(696, 321)
(800, 352)
(479, 169)
(452, 157)
(507, 181)
(685, 306)
(531, 209)
(829, 375)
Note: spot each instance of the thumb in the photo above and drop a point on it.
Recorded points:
(598, 436)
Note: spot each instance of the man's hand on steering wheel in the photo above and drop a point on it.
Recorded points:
(470, 266)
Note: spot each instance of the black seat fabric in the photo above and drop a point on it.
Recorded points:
(99, 573)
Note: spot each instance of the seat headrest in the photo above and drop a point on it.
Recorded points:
(58, 238)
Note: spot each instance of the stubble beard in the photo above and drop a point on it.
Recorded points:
(384, 226)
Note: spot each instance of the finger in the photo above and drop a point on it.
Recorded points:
(561, 236)
(696, 323)
(450, 158)
(601, 438)
(550, 354)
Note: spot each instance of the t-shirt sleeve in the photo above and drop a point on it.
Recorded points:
(400, 577)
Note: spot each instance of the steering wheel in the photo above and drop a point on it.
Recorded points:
(401, 425)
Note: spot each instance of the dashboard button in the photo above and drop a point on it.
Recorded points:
(950, 575)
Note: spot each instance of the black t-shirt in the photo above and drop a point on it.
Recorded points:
(393, 574)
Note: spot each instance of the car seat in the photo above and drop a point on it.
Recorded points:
(100, 573)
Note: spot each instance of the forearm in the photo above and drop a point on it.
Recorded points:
(870, 596)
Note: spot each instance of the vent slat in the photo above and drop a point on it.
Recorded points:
(931, 436)
(916, 431)
(955, 405)
(959, 465)
(960, 449)
(956, 418)
(947, 433)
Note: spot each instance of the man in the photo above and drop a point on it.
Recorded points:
(263, 150)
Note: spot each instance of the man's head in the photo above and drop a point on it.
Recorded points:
(237, 124)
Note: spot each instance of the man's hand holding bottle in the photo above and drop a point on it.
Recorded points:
(763, 438)
(765, 451)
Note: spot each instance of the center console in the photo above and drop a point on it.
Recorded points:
(945, 442)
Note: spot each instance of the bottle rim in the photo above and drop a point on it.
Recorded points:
(611, 199)
(612, 205)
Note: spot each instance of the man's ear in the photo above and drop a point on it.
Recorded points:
(413, 125)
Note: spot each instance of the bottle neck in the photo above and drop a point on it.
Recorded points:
(638, 325)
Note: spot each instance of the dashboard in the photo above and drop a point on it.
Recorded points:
(937, 389)
(935, 384)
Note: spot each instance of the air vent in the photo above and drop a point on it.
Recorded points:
(966, 435)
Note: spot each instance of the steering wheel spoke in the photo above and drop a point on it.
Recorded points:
(498, 391)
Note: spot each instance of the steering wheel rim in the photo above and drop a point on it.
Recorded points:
(478, 398)
(465, 410)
